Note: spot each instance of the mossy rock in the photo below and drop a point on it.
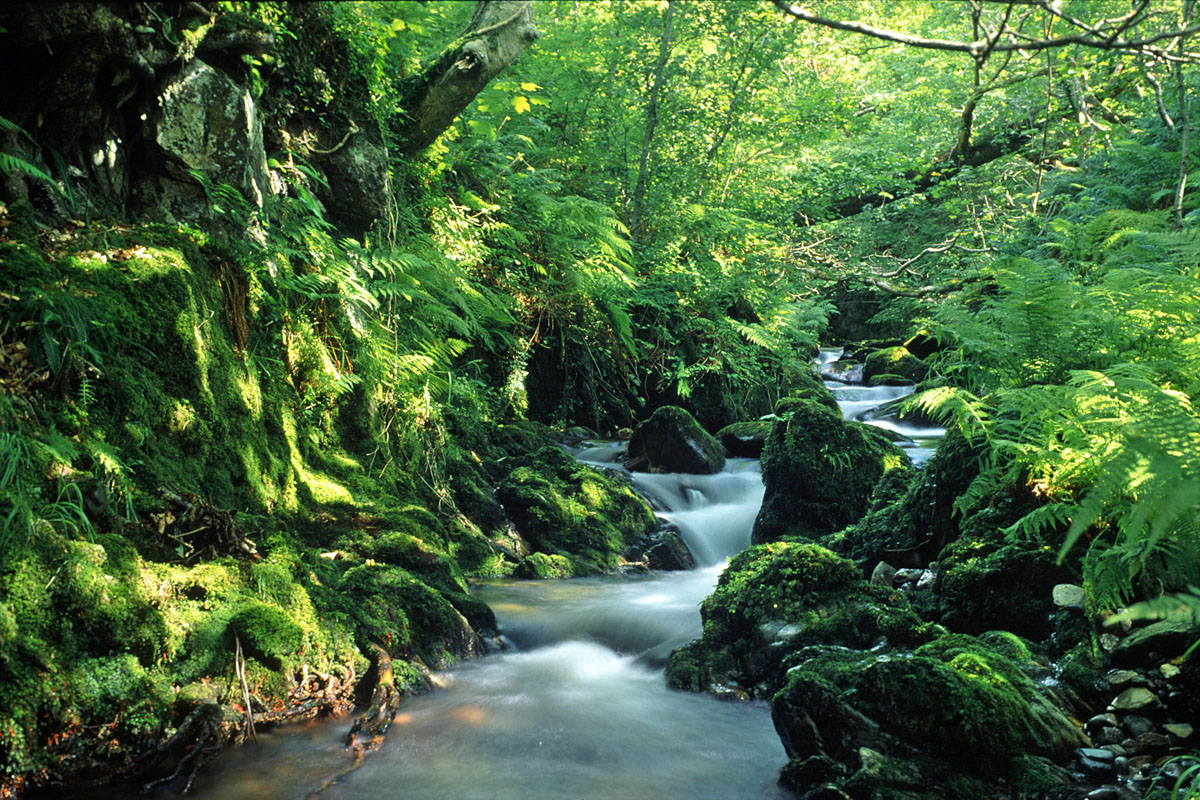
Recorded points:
(566, 508)
(895, 361)
(745, 439)
(267, 634)
(778, 597)
(672, 441)
(992, 583)
(819, 471)
(953, 702)
(396, 610)
(545, 567)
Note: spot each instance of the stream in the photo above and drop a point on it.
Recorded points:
(577, 705)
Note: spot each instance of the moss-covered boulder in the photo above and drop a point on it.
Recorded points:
(402, 614)
(911, 515)
(565, 508)
(745, 439)
(777, 597)
(951, 710)
(990, 582)
(672, 441)
(895, 362)
(819, 470)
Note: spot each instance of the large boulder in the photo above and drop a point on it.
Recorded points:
(921, 723)
(819, 470)
(203, 121)
(672, 441)
(777, 597)
(565, 508)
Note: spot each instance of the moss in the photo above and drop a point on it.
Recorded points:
(953, 701)
(267, 634)
(394, 609)
(894, 361)
(565, 508)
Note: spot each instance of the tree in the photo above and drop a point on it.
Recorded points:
(498, 33)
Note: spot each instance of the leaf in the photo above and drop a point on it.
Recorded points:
(521, 104)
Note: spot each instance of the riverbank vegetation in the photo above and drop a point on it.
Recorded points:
(276, 380)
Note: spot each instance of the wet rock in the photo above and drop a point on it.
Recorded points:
(665, 549)
(1134, 698)
(1166, 637)
(745, 439)
(1096, 761)
(672, 441)
(576, 434)
(1069, 595)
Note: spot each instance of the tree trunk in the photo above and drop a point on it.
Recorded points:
(499, 32)
(639, 189)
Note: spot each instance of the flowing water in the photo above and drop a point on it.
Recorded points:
(577, 706)
(863, 403)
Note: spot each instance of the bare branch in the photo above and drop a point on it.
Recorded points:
(978, 48)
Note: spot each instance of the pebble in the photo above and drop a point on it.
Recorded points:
(1151, 742)
(1130, 699)
(1136, 725)
(1117, 677)
(1111, 793)
(1180, 729)
(1069, 595)
(1101, 721)
(1169, 670)
(1095, 760)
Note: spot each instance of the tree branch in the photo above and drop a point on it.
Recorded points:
(977, 48)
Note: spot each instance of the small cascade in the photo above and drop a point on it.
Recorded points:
(874, 404)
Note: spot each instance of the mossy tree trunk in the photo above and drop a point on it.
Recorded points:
(498, 33)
